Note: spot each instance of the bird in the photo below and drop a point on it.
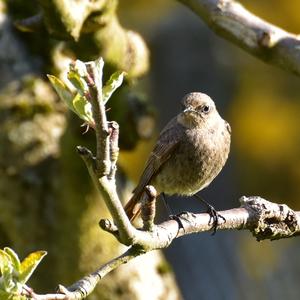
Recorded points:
(190, 152)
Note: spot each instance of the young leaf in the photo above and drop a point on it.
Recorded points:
(14, 258)
(112, 84)
(79, 67)
(5, 263)
(78, 82)
(7, 284)
(83, 108)
(29, 264)
(62, 90)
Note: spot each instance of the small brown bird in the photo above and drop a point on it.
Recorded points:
(190, 152)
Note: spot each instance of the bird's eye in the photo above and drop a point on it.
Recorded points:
(205, 109)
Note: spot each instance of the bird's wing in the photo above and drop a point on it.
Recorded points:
(166, 144)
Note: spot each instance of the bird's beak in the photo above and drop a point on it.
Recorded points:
(188, 110)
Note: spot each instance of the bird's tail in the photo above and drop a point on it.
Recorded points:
(133, 206)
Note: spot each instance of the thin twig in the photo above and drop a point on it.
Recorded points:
(113, 148)
(82, 288)
(148, 210)
(99, 115)
(108, 191)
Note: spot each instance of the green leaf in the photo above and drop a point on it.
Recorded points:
(13, 258)
(112, 84)
(78, 76)
(83, 108)
(62, 90)
(79, 67)
(6, 266)
(78, 82)
(5, 263)
(29, 264)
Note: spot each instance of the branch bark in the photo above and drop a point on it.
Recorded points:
(266, 220)
(232, 21)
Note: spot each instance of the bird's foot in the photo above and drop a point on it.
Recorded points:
(214, 215)
(177, 219)
(172, 216)
(214, 218)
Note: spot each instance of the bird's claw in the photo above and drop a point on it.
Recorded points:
(214, 217)
(177, 219)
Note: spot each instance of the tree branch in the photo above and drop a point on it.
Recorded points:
(101, 126)
(266, 220)
(82, 288)
(108, 191)
(232, 21)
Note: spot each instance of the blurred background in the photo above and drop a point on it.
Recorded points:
(44, 182)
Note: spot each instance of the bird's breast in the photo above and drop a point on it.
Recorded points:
(199, 157)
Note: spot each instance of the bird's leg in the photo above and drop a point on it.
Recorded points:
(172, 216)
(214, 215)
(166, 204)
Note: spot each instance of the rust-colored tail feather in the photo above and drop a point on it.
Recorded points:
(133, 206)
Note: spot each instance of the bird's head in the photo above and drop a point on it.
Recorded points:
(198, 109)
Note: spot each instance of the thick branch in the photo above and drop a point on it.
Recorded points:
(266, 220)
(233, 22)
